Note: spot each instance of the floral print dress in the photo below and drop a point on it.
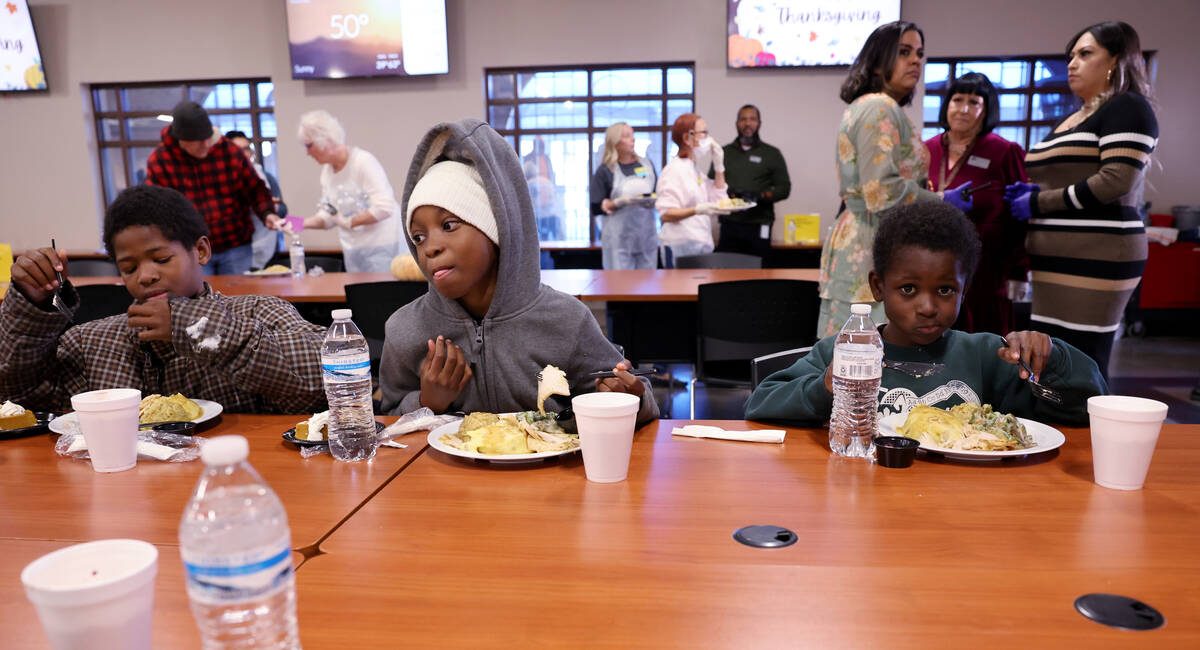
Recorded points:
(881, 162)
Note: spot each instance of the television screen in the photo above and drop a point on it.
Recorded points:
(332, 39)
(765, 33)
(20, 58)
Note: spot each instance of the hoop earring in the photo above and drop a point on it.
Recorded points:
(1109, 79)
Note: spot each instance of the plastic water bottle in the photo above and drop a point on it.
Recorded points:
(296, 256)
(857, 368)
(237, 553)
(346, 367)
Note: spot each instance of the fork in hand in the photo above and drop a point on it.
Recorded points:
(1039, 391)
(56, 300)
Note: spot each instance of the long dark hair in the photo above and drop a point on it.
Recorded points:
(878, 53)
(973, 83)
(1121, 40)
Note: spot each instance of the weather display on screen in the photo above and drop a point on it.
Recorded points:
(20, 58)
(331, 39)
(764, 33)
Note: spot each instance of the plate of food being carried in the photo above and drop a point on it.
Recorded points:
(972, 432)
(512, 437)
(154, 408)
(734, 204)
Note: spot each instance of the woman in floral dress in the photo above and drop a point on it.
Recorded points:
(881, 162)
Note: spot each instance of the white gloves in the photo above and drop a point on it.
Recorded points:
(710, 209)
(718, 156)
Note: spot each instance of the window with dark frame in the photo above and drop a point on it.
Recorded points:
(130, 117)
(555, 118)
(1032, 90)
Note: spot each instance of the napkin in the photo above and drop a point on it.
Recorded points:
(706, 431)
(75, 446)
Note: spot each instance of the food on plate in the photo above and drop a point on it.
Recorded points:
(15, 416)
(966, 427)
(551, 381)
(734, 203)
(314, 428)
(157, 408)
(512, 433)
(274, 269)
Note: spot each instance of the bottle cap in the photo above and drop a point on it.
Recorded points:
(225, 450)
(342, 314)
(858, 309)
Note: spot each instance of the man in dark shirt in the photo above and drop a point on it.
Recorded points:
(755, 171)
(218, 180)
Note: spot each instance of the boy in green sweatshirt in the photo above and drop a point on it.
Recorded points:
(925, 254)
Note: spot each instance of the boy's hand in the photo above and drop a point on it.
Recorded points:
(829, 379)
(623, 382)
(444, 374)
(152, 318)
(33, 273)
(1032, 347)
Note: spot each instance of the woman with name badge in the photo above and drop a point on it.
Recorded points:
(623, 191)
(969, 154)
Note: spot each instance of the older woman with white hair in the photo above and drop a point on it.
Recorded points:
(356, 196)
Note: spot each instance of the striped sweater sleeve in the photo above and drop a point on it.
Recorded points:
(1128, 132)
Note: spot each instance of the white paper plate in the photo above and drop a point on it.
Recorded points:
(69, 423)
(435, 441)
(1045, 438)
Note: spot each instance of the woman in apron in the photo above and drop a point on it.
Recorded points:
(622, 189)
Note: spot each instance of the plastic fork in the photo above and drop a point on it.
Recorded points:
(56, 300)
(914, 369)
(1039, 391)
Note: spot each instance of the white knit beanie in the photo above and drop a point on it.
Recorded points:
(455, 187)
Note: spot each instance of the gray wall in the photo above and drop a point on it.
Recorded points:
(48, 169)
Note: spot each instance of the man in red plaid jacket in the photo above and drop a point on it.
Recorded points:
(217, 178)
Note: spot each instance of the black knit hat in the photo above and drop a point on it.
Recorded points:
(190, 122)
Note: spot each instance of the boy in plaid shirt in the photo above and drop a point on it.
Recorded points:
(252, 354)
(215, 176)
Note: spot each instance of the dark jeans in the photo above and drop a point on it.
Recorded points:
(738, 237)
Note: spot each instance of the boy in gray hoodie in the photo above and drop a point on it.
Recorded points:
(477, 340)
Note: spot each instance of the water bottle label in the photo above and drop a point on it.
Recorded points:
(217, 580)
(864, 363)
(359, 364)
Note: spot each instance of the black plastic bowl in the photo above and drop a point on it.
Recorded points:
(895, 451)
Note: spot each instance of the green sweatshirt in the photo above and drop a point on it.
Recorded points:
(754, 171)
(973, 373)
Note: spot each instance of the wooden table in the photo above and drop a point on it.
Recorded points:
(946, 553)
(51, 497)
(670, 285)
(676, 285)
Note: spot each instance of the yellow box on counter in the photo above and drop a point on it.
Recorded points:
(802, 229)
(6, 260)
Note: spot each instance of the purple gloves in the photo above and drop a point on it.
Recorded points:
(955, 197)
(1018, 195)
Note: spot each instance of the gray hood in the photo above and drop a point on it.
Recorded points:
(473, 142)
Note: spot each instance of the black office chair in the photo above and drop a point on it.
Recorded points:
(373, 303)
(769, 364)
(327, 264)
(98, 301)
(92, 268)
(718, 261)
(738, 321)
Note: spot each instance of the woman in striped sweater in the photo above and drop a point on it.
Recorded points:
(1087, 242)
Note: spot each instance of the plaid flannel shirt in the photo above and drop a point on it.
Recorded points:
(251, 354)
(223, 186)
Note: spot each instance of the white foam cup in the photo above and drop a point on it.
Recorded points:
(108, 420)
(606, 422)
(1124, 432)
(95, 595)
